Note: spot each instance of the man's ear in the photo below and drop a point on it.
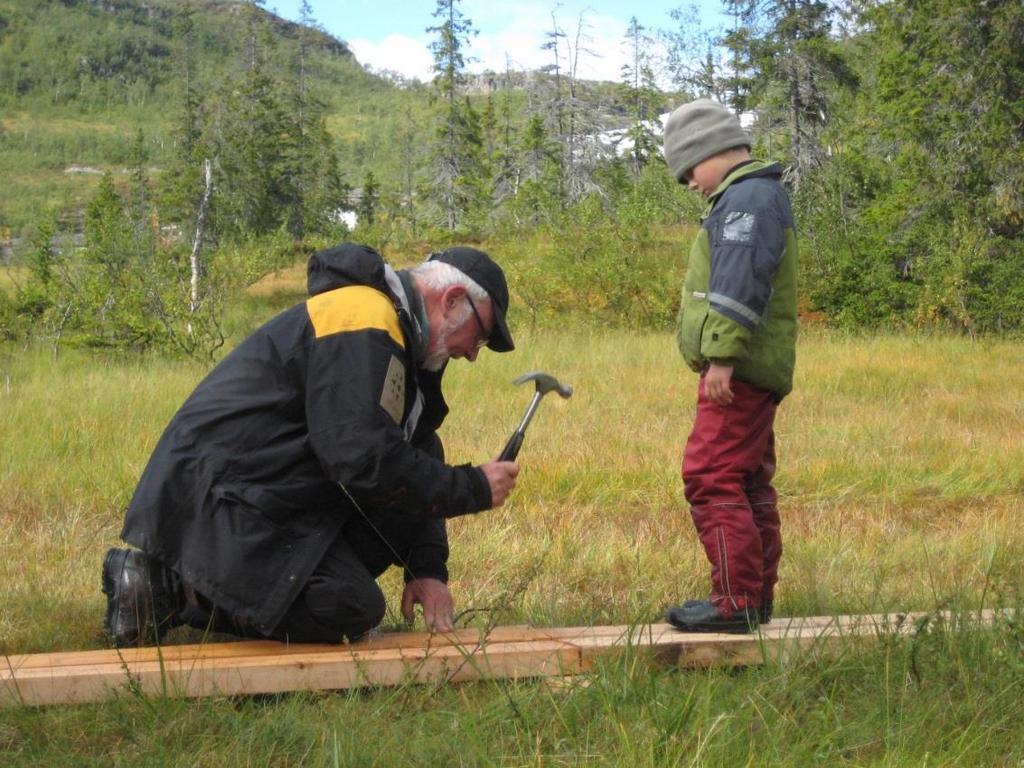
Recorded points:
(451, 297)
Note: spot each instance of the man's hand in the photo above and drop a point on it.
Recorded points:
(716, 383)
(438, 606)
(501, 476)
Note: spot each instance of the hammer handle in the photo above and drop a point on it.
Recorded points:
(511, 449)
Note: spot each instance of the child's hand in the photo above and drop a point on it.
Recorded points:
(716, 383)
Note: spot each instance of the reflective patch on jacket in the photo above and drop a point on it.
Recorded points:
(353, 308)
(392, 398)
(738, 227)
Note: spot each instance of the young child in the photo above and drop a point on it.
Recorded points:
(737, 328)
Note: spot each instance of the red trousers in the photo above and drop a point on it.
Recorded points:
(728, 467)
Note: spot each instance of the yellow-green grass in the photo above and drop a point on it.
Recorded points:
(901, 483)
(10, 278)
(289, 281)
(27, 123)
(32, 193)
(53, 162)
(900, 477)
(342, 127)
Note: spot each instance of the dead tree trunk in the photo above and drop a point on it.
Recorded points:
(197, 243)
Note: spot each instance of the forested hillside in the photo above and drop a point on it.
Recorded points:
(901, 126)
(79, 79)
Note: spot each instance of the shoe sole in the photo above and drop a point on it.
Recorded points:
(726, 629)
(733, 626)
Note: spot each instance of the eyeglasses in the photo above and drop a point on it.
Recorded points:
(484, 335)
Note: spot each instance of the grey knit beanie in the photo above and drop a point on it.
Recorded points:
(696, 131)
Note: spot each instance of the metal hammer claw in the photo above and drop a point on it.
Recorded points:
(544, 383)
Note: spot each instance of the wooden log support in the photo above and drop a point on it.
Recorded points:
(225, 669)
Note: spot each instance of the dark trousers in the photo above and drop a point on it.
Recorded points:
(341, 598)
(728, 466)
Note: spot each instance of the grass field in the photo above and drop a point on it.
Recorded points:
(901, 478)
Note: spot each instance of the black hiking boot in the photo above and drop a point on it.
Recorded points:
(141, 603)
(764, 613)
(703, 616)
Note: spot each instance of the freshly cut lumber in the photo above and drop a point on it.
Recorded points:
(513, 652)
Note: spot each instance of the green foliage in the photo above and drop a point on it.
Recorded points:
(917, 218)
(199, 48)
(94, 56)
(901, 133)
(118, 291)
(458, 183)
(798, 72)
(538, 192)
(183, 187)
(642, 96)
(252, 139)
(368, 200)
(8, 318)
(605, 267)
(39, 300)
(81, 54)
(240, 263)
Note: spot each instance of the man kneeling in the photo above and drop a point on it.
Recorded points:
(307, 462)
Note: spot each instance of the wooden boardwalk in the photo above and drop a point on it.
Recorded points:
(251, 667)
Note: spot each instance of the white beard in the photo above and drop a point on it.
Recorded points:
(435, 360)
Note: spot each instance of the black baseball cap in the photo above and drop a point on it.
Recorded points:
(488, 275)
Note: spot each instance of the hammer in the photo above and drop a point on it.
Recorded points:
(544, 383)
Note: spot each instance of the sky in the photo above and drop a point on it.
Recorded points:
(391, 34)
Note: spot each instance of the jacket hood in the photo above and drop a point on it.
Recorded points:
(342, 265)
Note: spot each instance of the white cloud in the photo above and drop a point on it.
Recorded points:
(524, 29)
(396, 53)
(521, 30)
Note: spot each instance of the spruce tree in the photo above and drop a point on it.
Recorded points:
(642, 97)
(181, 186)
(457, 156)
(798, 64)
(316, 190)
(369, 199)
(254, 142)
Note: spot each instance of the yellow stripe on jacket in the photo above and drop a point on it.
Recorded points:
(353, 308)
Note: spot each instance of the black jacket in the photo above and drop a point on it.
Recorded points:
(241, 496)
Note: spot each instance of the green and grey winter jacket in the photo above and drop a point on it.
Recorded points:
(739, 296)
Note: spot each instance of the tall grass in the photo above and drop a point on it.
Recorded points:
(901, 481)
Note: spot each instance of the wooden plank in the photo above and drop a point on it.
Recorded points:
(777, 641)
(503, 652)
(237, 649)
(464, 637)
(320, 670)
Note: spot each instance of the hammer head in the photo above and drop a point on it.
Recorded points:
(545, 383)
